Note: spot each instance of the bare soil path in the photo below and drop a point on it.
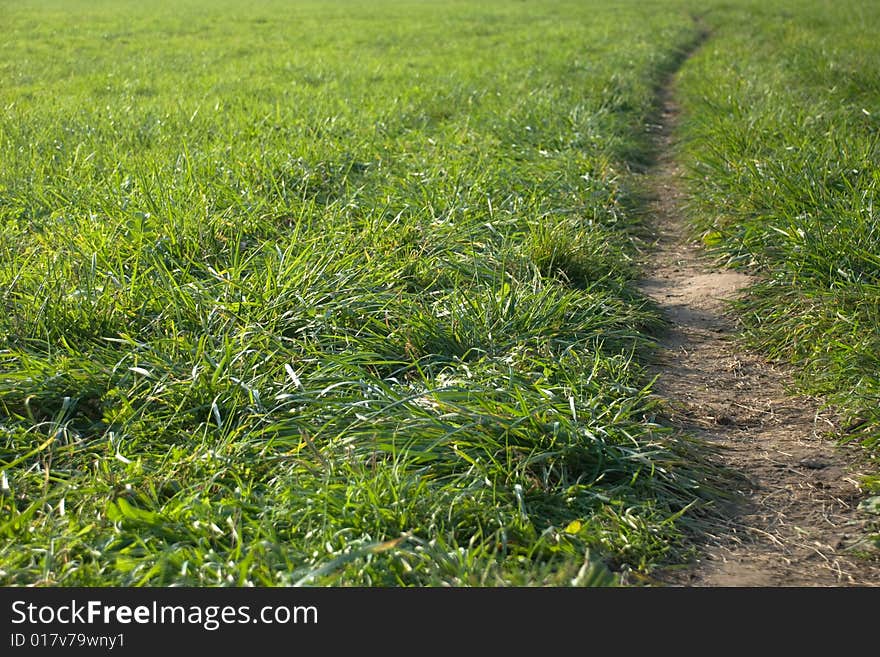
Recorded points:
(793, 519)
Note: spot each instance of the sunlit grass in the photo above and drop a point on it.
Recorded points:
(783, 128)
(329, 293)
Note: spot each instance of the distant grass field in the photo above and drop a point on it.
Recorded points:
(783, 128)
(328, 293)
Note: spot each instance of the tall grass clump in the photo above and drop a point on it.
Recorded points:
(327, 293)
(783, 137)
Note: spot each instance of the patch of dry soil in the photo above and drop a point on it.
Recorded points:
(793, 519)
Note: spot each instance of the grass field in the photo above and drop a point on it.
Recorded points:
(328, 294)
(783, 125)
(342, 293)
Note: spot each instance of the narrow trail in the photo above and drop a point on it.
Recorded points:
(792, 520)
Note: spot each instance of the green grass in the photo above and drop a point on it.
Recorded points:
(329, 293)
(783, 136)
(343, 293)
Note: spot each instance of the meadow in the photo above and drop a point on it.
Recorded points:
(782, 137)
(344, 293)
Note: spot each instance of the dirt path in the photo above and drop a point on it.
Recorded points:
(793, 521)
